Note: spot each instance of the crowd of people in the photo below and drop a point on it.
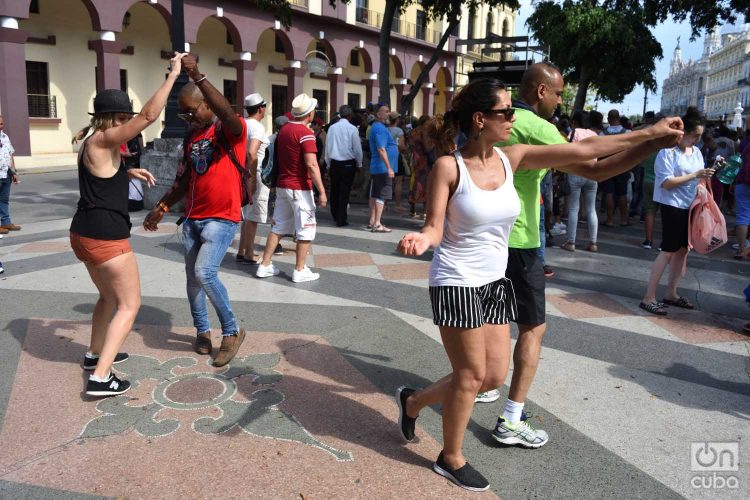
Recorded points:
(480, 176)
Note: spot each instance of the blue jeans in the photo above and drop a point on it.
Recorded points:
(206, 242)
(5, 200)
(588, 187)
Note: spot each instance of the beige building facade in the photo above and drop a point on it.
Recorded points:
(728, 76)
(63, 51)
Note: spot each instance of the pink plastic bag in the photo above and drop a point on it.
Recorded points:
(707, 228)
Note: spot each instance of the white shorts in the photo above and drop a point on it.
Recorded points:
(294, 213)
(258, 211)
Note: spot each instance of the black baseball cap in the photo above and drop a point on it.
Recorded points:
(112, 101)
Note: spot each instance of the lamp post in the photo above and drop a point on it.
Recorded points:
(174, 128)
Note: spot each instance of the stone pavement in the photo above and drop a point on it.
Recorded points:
(306, 409)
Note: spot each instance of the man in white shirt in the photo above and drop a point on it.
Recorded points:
(344, 156)
(257, 142)
(8, 176)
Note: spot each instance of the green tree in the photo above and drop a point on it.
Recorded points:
(611, 50)
(433, 9)
(703, 14)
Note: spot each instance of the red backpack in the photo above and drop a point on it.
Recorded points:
(707, 228)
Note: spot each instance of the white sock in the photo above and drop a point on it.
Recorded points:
(512, 411)
(91, 355)
(97, 379)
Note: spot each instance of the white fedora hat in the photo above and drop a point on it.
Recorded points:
(254, 100)
(303, 105)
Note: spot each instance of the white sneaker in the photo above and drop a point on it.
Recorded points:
(304, 275)
(488, 397)
(267, 271)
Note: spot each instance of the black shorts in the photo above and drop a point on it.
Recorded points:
(527, 274)
(617, 185)
(471, 307)
(381, 187)
(674, 233)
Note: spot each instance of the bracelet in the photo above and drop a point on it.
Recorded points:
(163, 206)
(199, 80)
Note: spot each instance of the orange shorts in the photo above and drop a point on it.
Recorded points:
(96, 251)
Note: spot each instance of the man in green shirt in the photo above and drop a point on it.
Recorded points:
(539, 95)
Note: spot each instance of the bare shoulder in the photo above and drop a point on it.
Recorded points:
(515, 154)
(446, 168)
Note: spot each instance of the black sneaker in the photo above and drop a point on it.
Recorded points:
(406, 423)
(548, 272)
(111, 387)
(467, 477)
(279, 250)
(90, 363)
(646, 244)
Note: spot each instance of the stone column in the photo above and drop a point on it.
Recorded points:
(370, 85)
(245, 79)
(294, 83)
(428, 98)
(338, 92)
(14, 105)
(107, 61)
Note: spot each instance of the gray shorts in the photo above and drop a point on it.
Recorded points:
(381, 187)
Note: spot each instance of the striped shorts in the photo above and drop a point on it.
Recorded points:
(471, 307)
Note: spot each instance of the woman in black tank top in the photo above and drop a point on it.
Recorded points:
(100, 228)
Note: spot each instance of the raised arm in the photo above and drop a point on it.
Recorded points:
(217, 102)
(621, 162)
(113, 137)
(574, 153)
(443, 179)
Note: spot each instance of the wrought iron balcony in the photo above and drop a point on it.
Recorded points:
(420, 32)
(369, 17)
(399, 26)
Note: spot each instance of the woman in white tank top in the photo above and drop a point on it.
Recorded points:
(472, 207)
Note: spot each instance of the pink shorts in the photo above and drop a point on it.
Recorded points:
(96, 251)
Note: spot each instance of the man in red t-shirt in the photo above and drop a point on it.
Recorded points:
(210, 178)
(294, 213)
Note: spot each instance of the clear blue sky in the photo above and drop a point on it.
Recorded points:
(667, 34)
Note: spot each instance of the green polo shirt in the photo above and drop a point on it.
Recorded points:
(529, 129)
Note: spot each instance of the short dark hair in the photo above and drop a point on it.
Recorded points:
(251, 110)
(596, 119)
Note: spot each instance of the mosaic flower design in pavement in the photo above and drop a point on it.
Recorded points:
(260, 416)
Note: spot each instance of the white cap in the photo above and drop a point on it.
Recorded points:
(303, 105)
(254, 100)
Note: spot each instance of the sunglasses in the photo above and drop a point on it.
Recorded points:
(188, 116)
(506, 112)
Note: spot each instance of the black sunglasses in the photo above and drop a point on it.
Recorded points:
(188, 117)
(506, 112)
